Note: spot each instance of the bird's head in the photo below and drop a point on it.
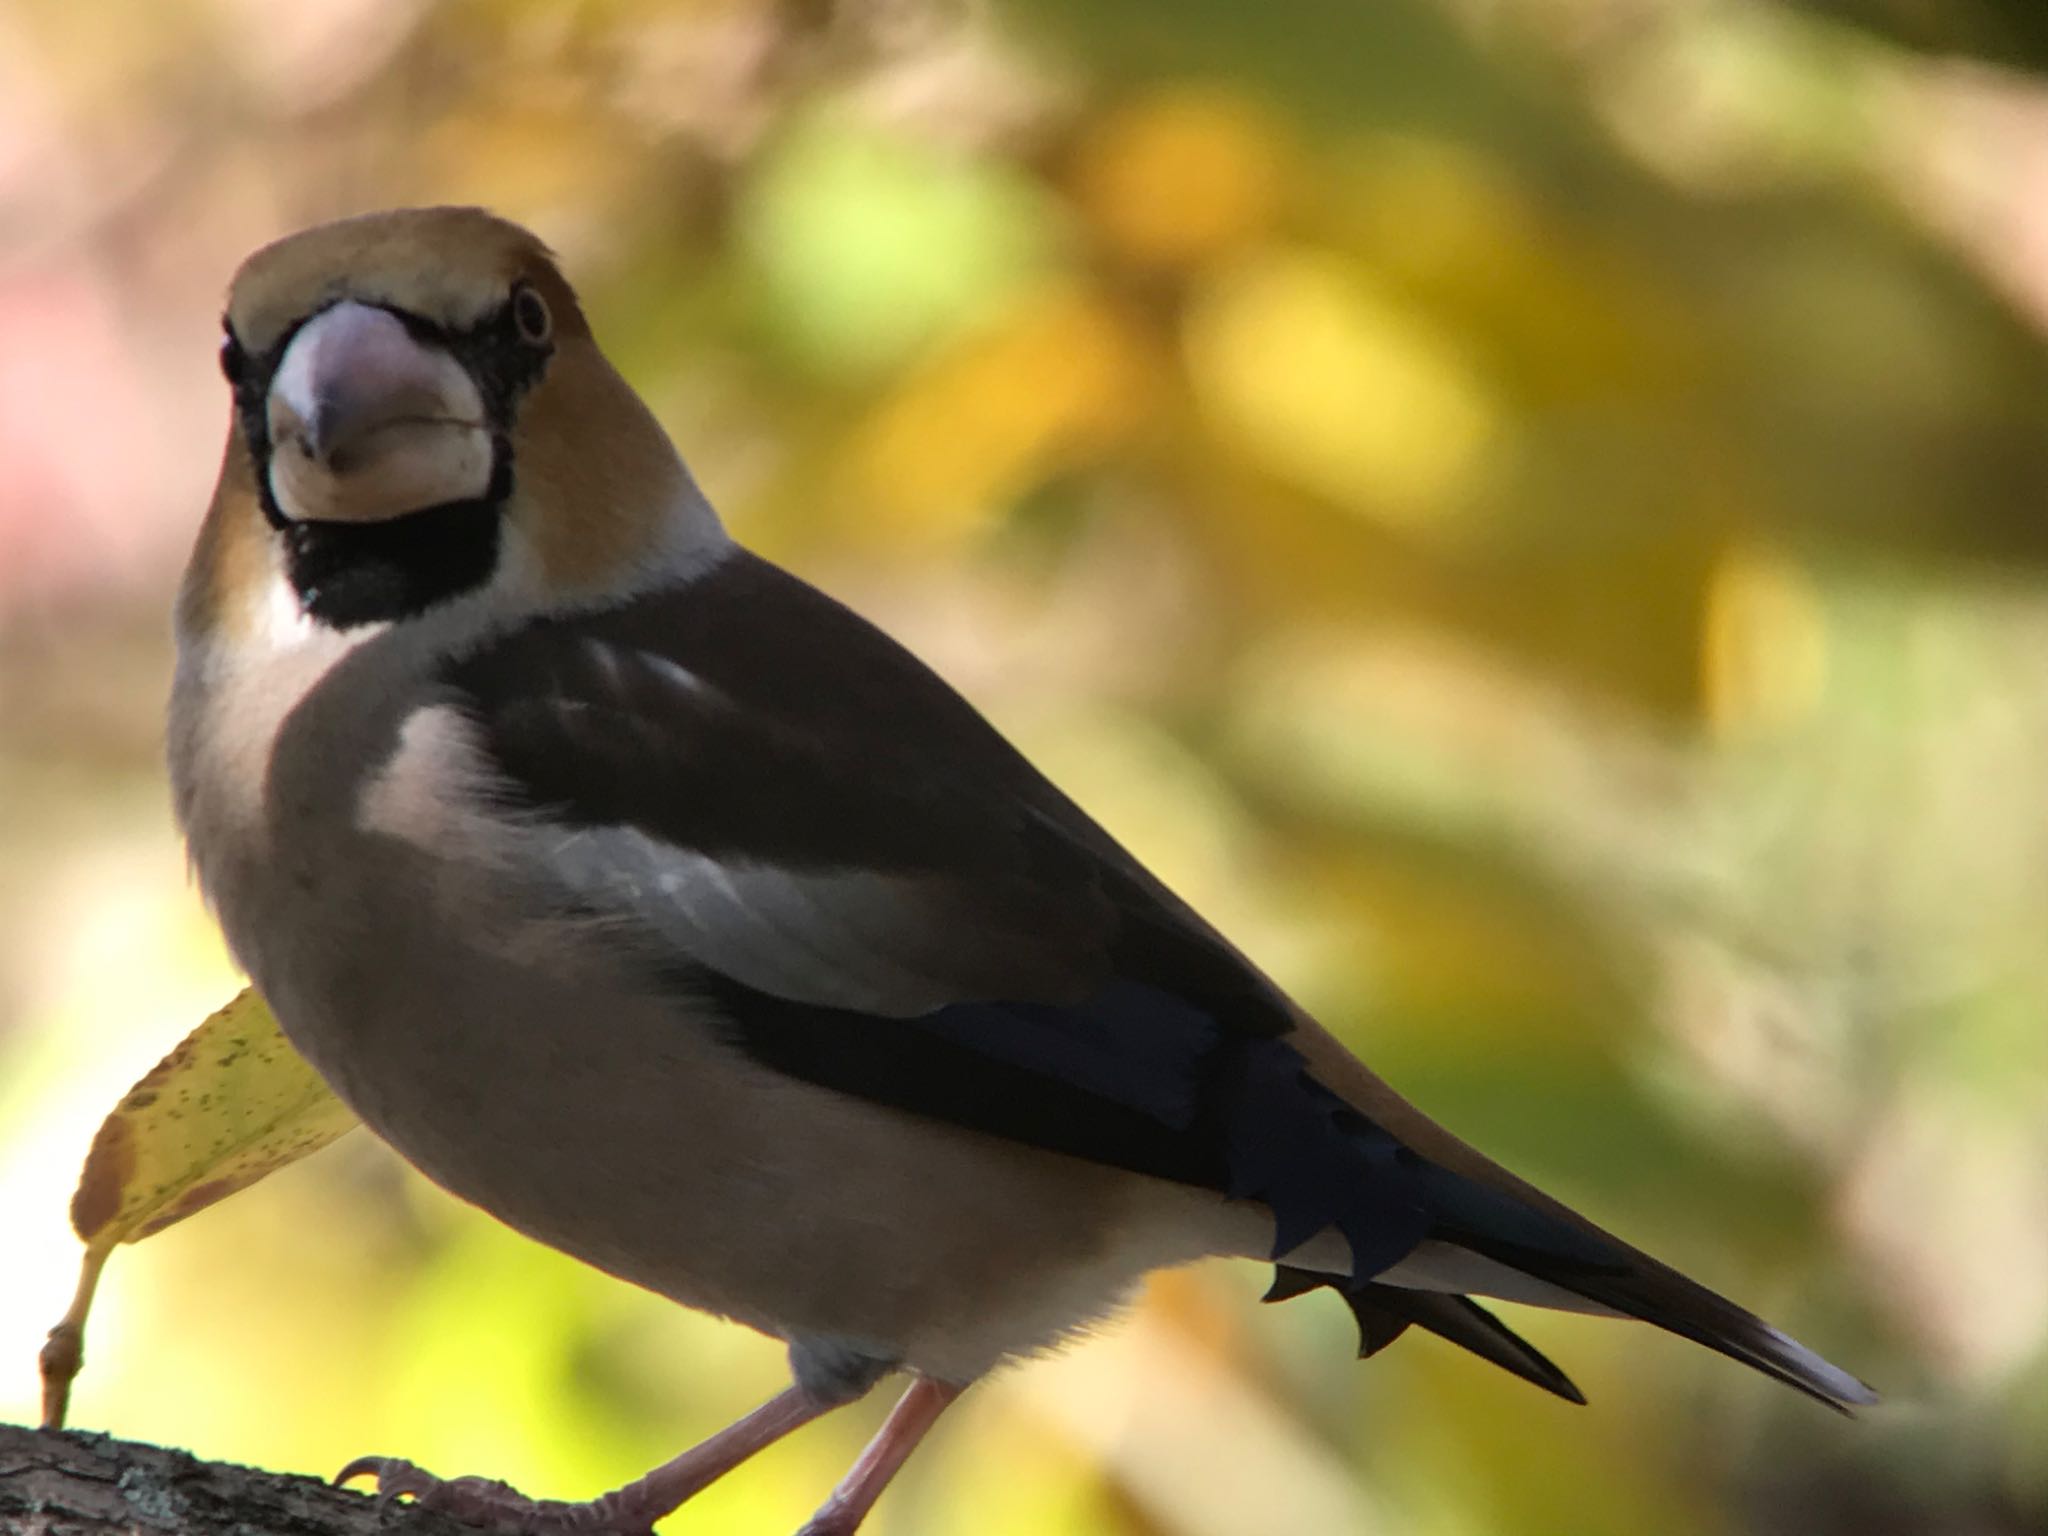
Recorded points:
(420, 413)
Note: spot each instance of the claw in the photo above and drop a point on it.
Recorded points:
(393, 1476)
(628, 1511)
(363, 1466)
(485, 1501)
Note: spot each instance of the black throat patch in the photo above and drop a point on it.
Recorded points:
(348, 574)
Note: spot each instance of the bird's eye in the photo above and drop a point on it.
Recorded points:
(234, 362)
(530, 314)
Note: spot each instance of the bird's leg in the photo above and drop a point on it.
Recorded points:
(914, 1414)
(628, 1511)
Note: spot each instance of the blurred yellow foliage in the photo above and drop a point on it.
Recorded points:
(1764, 649)
(1334, 384)
(1053, 383)
(1178, 178)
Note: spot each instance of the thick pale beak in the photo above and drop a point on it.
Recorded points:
(367, 423)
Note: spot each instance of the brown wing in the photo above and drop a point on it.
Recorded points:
(878, 894)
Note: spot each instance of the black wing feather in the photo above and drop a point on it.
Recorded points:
(751, 721)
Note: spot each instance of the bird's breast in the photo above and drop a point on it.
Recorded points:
(622, 1129)
(520, 1059)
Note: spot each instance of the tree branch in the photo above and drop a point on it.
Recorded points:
(71, 1483)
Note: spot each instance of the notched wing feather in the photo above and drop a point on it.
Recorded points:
(1385, 1312)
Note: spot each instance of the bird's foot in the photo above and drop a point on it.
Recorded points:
(486, 1502)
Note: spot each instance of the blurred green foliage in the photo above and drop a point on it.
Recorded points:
(1530, 514)
(1996, 30)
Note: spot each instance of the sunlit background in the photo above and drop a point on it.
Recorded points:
(1532, 513)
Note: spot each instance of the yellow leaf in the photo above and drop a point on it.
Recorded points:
(232, 1103)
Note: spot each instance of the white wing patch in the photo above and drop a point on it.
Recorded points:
(678, 676)
(839, 938)
(610, 661)
(434, 791)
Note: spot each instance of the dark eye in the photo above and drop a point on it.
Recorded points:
(530, 314)
(234, 362)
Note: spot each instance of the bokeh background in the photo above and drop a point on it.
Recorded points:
(1533, 513)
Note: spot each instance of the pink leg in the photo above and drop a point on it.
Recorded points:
(628, 1511)
(908, 1422)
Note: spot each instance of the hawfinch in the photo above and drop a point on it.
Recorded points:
(652, 901)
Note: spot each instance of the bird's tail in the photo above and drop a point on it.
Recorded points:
(1642, 1287)
(1462, 1226)
(1428, 1293)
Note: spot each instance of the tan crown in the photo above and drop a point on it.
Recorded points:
(451, 266)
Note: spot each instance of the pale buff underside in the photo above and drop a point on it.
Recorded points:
(509, 1060)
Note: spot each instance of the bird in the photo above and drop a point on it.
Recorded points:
(649, 899)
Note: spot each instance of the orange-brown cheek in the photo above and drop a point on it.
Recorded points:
(231, 556)
(595, 474)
